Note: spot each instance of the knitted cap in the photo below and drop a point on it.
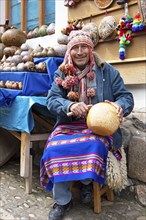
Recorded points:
(78, 37)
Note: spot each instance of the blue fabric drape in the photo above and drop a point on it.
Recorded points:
(18, 116)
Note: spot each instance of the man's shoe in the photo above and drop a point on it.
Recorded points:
(58, 211)
(86, 193)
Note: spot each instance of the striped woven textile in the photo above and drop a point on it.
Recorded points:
(73, 152)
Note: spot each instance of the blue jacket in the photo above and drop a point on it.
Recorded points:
(110, 86)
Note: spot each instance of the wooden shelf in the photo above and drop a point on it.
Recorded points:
(136, 34)
(103, 12)
(138, 59)
(133, 71)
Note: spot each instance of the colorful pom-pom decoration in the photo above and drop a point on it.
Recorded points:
(137, 23)
(124, 31)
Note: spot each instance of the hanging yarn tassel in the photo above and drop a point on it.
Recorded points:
(124, 31)
(137, 23)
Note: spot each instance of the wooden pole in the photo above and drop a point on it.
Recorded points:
(7, 10)
(23, 15)
(41, 12)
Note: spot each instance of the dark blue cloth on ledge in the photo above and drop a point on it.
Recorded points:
(34, 84)
(52, 64)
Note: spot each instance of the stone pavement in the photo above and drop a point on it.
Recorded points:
(17, 205)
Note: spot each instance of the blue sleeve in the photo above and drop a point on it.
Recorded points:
(121, 95)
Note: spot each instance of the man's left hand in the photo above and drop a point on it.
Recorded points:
(119, 110)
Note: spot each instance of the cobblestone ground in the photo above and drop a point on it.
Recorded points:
(17, 205)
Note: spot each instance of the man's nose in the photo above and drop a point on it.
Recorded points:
(80, 50)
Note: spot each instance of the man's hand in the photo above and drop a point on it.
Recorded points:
(80, 109)
(119, 110)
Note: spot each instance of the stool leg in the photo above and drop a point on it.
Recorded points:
(110, 195)
(25, 153)
(26, 161)
(28, 180)
(97, 197)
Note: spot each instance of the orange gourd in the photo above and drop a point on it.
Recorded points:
(102, 119)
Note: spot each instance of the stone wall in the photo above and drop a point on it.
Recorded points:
(134, 141)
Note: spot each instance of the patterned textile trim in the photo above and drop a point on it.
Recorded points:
(77, 140)
(76, 166)
(69, 129)
(72, 129)
(118, 154)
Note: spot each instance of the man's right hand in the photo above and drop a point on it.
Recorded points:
(79, 109)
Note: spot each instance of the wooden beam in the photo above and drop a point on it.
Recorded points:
(16, 134)
(23, 15)
(136, 34)
(103, 12)
(41, 12)
(47, 124)
(103, 190)
(129, 60)
(39, 137)
(7, 10)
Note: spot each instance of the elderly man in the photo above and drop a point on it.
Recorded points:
(73, 152)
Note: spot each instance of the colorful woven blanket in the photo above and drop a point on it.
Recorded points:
(73, 152)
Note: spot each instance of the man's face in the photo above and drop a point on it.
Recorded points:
(80, 55)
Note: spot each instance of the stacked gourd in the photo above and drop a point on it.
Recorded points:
(21, 59)
(42, 31)
(17, 55)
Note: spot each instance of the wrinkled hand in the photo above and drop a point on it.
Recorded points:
(80, 109)
(119, 110)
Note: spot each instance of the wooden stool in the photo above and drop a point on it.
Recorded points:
(97, 193)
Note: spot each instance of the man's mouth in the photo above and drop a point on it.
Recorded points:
(80, 58)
